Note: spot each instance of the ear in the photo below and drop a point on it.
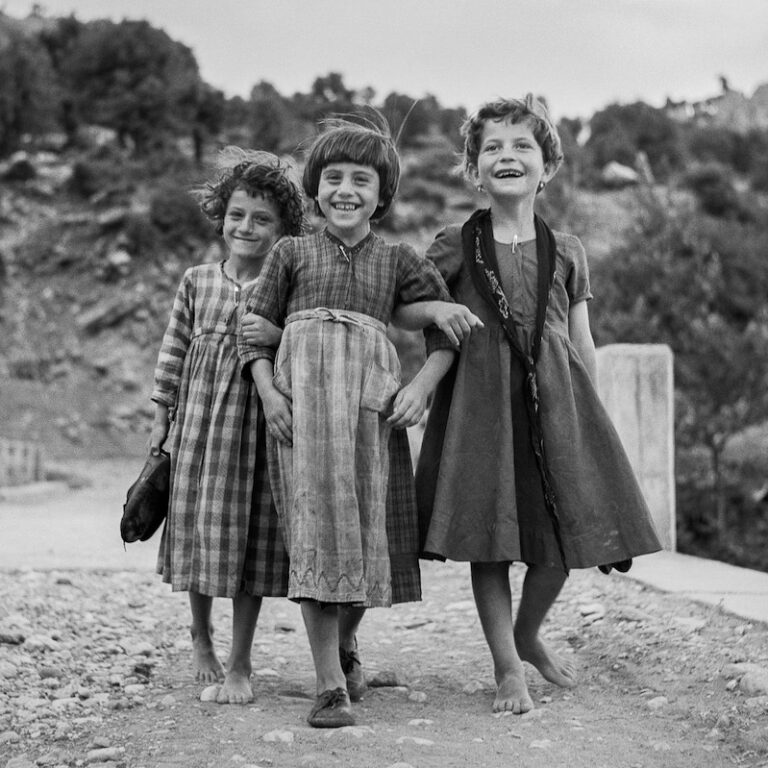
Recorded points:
(549, 172)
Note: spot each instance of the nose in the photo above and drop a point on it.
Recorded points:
(345, 186)
(507, 152)
(246, 224)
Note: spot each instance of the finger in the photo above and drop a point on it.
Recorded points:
(449, 332)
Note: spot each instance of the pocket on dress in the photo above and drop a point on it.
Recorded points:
(282, 377)
(379, 387)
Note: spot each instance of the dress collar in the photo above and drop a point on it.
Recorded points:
(351, 249)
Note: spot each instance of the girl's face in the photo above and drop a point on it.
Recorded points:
(348, 195)
(510, 163)
(252, 225)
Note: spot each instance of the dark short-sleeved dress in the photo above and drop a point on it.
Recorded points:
(479, 488)
(222, 535)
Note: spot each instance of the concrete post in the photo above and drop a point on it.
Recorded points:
(635, 383)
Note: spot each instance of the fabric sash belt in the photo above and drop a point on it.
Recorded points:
(336, 316)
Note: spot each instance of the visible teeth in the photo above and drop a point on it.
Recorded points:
(344, 206)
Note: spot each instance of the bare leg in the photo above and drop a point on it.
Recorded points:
(332, 708)
(540, 590)
(205, 664)
(490, 584)
(349, 622)
(323, 632)
(237, 683)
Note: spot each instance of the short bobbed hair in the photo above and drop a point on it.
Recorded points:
(529, 110)
(256, 173)
(365, 143)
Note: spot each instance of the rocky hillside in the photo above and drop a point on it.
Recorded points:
(86, 284)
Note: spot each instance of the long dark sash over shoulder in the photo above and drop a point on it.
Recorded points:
(480, 256)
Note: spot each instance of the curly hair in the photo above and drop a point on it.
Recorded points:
(367, 142)
(258, 173)
(529, 110)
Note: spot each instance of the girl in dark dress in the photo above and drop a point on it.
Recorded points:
(520, 461)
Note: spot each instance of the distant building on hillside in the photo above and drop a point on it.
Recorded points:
(730, 109)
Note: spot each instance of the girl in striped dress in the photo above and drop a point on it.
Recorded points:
(221, 536)
(332, 394)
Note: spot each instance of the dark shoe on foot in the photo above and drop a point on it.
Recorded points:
(332, 710)
(353, 671)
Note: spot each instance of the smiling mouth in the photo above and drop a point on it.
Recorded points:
(345, 207)
(508, 174)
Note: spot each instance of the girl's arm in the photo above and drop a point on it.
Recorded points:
(411, 401)
(455, 320)
(277, 407)
(581, 337)
(160, 427)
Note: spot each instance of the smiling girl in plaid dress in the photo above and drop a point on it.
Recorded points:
(221, 537)
(333, 394)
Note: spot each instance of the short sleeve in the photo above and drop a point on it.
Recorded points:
(576, 270)
(420, 280)
(446, 254)
(267, 297)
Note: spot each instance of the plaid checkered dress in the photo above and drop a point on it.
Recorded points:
(222, 535)
(370, 278)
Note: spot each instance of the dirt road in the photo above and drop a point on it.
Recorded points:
(95, 669)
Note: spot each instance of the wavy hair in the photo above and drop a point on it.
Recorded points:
(257, 173)
(529, 110)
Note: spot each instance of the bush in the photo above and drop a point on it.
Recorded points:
(176, 215)
(713, 186)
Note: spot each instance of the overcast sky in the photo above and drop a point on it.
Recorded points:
(580, 54)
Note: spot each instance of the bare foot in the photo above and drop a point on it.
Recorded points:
(236, 689)
(205, 664)
(550, 665)
(512, 694)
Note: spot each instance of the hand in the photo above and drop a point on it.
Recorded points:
(455, 320)
(259, 332)
(278, 415)
(409, 406)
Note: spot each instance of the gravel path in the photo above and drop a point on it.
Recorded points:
(95, 670)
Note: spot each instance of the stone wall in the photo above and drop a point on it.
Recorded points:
(21, 461)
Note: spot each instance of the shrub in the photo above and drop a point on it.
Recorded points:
(176, 215)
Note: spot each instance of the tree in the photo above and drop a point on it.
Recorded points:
(268, 117)
(619, 132)
(209, 117)
(133, 78)
(29, 96)
(697, 284)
